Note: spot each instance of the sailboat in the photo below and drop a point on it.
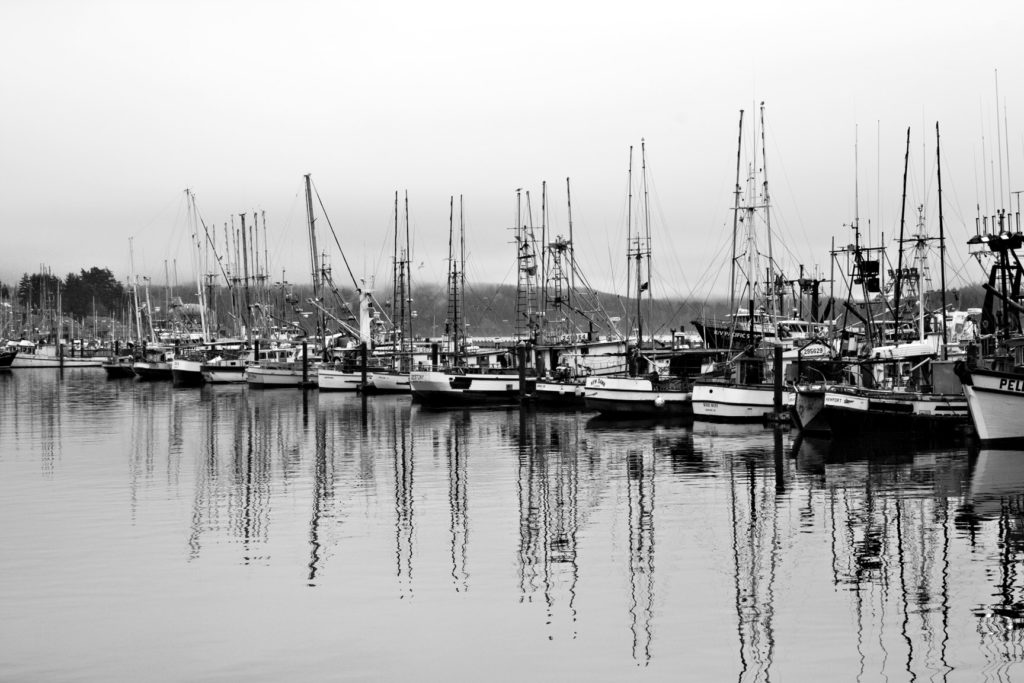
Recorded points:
(457, 383)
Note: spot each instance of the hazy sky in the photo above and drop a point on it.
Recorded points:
(111, 109)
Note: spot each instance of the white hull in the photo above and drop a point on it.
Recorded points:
(736, 402)
(339, 380)
(41, 361)
(633, 395)
(441, 388)
(187, 371)
(278, 376)
(996, 404)
(390, 382)
(225, 372)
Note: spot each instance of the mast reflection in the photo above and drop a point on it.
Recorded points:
(548, 492)
(890, 525)
(404, 461)
(458, 502)
(753, 488)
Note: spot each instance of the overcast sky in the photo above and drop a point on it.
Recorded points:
(111, 109)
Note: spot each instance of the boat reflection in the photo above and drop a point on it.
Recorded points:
(993, 516)
(887, 526)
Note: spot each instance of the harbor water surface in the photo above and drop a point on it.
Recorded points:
(223, 533)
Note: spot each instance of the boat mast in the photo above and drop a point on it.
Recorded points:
(735, 230)
(572, 265)
(942, 242)
(135, 286)
(199, 268)
(644, 247)
(245, 283)
(314, 259)
(395, 295)
(768, 216)
(406, 293)
(629, 239)
(899, 259)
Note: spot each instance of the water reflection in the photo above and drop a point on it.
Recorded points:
(895, 559)
(548, 489)
(994, 516)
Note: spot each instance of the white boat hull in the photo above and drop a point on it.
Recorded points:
(996, 402)
(41, 361)
(225, 372)
(339, 380)
(736, 402)
(187, 372)
(440, 388)
(634, 396)
(389, 383)
(268, 377)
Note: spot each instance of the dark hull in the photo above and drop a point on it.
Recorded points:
(558, 396)
(6, 358)
(855, 422)
(459, 399)
(807, 412)
(187, 378)
(716, 337)
(118, 370)
(148, 374)
(638, 409)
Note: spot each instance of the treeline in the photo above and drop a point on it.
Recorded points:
(79, 294)
(489, 310)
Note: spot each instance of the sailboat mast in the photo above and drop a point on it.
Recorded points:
(942, 242)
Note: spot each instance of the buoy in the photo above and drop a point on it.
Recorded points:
(659, 401)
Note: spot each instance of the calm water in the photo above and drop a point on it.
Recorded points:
(228, 534)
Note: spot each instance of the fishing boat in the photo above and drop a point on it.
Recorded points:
(228, 365)
(7, 356)
(904, 386)
(119, 367)
(155, 364)
(282, 367)
(460, 382)
(994, 384)
(750, 387)
(651, 386)
(31, 355)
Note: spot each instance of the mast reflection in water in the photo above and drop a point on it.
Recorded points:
(280, 534)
